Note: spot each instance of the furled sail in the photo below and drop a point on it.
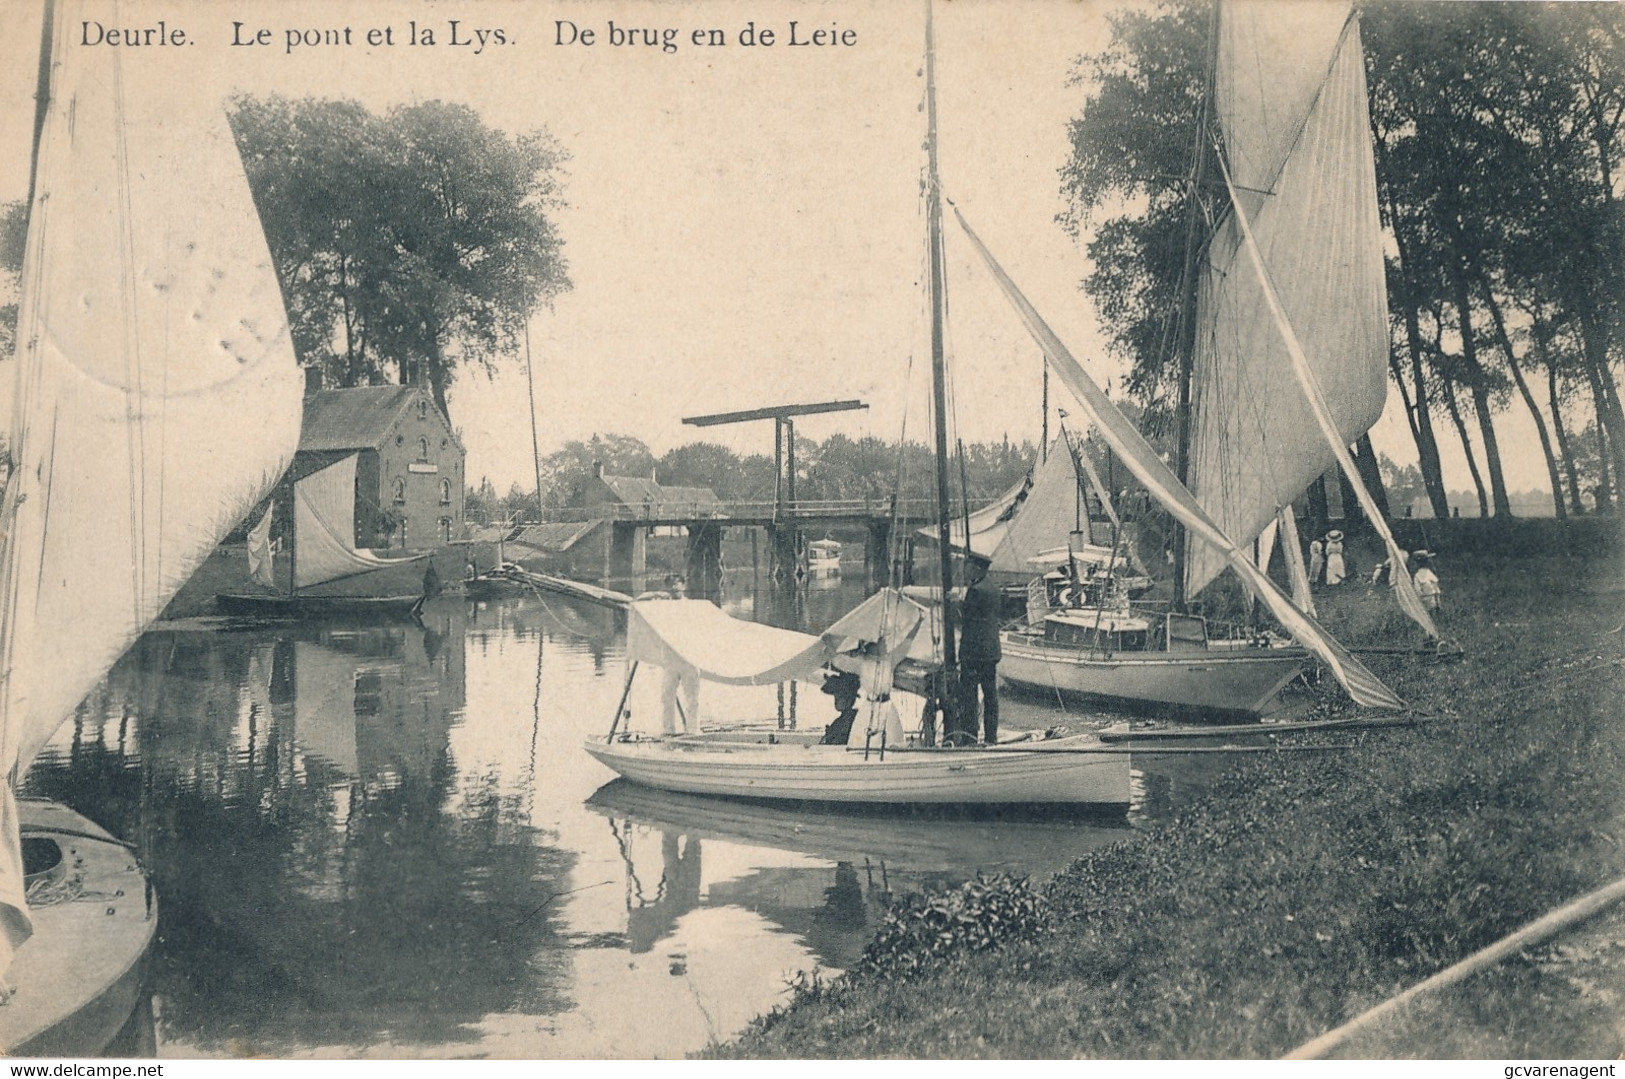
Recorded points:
(259, 552)
(324, 528)
(155, 396)
(1293, 549)
(1141, 460)
(1290, 95)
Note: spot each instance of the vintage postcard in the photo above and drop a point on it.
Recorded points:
(749, 528)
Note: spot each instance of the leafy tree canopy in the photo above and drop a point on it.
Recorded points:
(408, 244)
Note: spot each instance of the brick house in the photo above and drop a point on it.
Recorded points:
(409, 471)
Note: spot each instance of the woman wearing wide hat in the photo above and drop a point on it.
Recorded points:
(1335, 568)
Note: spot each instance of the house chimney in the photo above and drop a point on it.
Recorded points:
(598, 470)
(313, 379)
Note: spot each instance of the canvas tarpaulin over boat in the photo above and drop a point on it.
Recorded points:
(698, 639)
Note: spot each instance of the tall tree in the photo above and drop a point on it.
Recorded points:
(409, 245)
(567, 470)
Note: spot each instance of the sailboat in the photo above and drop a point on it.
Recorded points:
(322, 550)
(1289, 362)
(887, 646)
(154, 401)
(1082, 636)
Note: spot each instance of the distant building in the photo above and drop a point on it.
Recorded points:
(604, 541)
(647, 498)
(409, 468)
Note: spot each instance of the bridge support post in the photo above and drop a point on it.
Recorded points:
(784, 546)
(626, 549)
(704, 565)
(877, 551)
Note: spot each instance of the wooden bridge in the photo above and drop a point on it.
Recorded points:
(761, 514)
(784, 520)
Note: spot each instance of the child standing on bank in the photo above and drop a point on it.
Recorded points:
(1427, 582)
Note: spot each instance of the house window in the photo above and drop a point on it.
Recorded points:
(445, 530)
(423, 449)
(423, 408)
(400, 491)
(445, 492)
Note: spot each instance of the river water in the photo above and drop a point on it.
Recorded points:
(387, 841)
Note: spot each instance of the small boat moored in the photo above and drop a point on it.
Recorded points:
(823, 558)
(78, 978)
(865, 757)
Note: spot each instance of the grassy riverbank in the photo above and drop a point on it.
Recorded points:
(1299, 890)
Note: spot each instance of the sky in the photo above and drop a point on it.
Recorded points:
(744, 224)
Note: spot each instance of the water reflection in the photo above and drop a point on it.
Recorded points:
(386, 840)
(860, 860)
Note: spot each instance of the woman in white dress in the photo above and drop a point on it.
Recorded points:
(1335, 569)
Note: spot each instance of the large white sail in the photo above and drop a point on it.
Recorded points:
(1142, 461)
(155, 395)
(324, 528)
(1290, 93)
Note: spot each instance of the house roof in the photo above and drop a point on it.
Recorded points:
(638, 491)
(352, 419)
(554, 537)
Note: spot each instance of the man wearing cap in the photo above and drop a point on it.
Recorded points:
(979, 653)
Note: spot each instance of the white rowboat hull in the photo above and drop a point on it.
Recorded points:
(1064, 772)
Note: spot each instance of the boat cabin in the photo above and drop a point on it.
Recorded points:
(1109, 632)
(1098, 630)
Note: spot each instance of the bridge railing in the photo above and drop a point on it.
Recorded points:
(854, 508)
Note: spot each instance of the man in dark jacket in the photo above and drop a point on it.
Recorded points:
(979, 652)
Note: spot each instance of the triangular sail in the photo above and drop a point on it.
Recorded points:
(1045, 518)
(1404, 588)
(155, 400)
(1141, 460)
(988, 524)
(324, 528)
(1290, 94)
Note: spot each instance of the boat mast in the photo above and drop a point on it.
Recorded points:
(1043, 430)
(1187, 295)
(535, 444)
(939, 374)
(293, 536)
(42, 95)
